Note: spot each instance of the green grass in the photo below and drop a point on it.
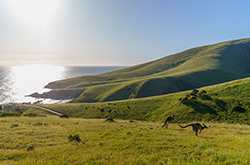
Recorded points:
(227, 102)
(138, 140)
(119, 142)
(225, 109)
(193, 68)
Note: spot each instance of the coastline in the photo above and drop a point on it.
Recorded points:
(18, 82)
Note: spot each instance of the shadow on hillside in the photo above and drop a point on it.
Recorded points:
(220, 104)
(201, 108)
(206, 97)
(212, 77)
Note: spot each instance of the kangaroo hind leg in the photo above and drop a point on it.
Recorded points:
(166, 124)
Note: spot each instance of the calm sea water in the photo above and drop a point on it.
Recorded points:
(18, 81)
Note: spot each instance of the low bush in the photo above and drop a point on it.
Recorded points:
(14, 125)
(64, 116)
(192, 98)
(201, 92)
(194, 92)
(74, 137)
(8, 114)
(183, 99)
(30, 114)
(37, 123)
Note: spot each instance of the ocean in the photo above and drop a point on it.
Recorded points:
(16, 82)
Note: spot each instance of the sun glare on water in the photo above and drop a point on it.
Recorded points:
(36, 13)
(33, 78)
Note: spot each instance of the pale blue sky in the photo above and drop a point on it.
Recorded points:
(115, 32)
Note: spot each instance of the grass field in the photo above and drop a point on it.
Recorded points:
(227, 102)
(119, 142)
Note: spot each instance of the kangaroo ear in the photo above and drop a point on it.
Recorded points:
(204, 125)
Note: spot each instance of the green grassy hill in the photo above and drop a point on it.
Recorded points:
(226, 102)
(193, 68)
(134, 141)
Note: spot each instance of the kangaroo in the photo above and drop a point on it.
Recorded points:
(168, 120)
(195, 127)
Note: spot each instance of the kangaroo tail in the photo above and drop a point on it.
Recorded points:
(185, 126)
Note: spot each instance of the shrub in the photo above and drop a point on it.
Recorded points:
(183, 99)
(71, 137)
(188, 98)
(194, 92)
(192, 98)
(201, 92)
(30, 114)
(74, 137)
(64, 116)
(38, 123)
(110, 120)
(8, 114)
(14, 125)
(77, 137)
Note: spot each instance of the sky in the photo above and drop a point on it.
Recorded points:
(114, 32)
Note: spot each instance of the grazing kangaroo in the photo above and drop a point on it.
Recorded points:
(195, 127)
(168, 120)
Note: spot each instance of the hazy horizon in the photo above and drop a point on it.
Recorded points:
(113, 33)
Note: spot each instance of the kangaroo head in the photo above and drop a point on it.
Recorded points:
(204, 125)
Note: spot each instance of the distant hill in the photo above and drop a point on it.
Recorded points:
(193, 68)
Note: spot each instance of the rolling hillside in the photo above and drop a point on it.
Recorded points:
(193, 68)
(225, 102)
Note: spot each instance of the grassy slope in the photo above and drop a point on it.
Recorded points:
(124, 142)
(218, 104)
(190, 69)
(121, 142)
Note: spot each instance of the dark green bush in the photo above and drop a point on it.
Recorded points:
(64, 116)
(201, 92)
(74, 137)
(37, 123)
(8, 114)
(183, 99)
(30, 114)
(14, 125)
(71, 137)
(194, 92)
(192, 98)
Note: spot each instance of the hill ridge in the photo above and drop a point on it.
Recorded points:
(193, 68)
